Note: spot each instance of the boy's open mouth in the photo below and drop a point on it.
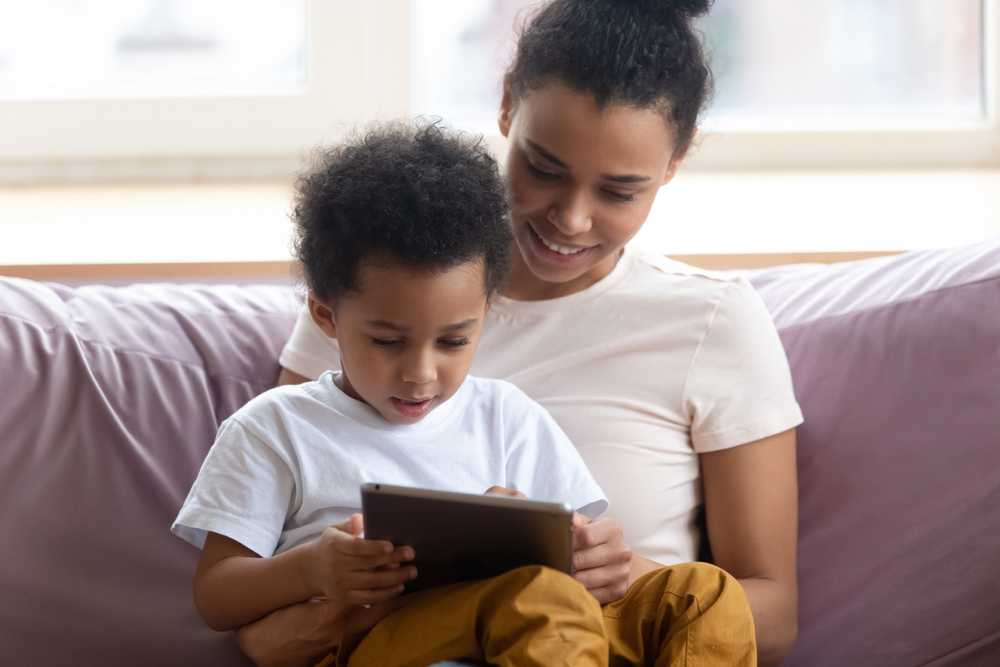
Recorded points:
(412, 409)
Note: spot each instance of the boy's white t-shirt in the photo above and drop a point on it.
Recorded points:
(644, 370)
(291, 462)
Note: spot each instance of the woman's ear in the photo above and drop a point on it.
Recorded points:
(506, 110)
(675, 163)
(322, 315)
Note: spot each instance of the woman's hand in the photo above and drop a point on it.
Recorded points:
(351, 570)
(302, 634)
(601, 557)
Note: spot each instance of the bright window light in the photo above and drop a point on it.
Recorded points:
(901, 61)
(93, 49)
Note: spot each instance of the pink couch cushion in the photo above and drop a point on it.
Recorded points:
(896, 364)
(109, 401)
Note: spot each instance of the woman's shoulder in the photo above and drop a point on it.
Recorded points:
(659, 278)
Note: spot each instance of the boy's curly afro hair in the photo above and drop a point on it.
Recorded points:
(416, 193)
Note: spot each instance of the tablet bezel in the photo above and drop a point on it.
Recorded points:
(464, 537)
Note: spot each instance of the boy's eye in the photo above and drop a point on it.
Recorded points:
(455, 342)
(541, 174)
(381, 342)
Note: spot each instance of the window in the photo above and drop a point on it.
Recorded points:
(190, 89)
(798, 83)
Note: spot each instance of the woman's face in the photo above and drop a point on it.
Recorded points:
(583, 181)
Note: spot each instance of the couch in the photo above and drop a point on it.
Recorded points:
(110, 398)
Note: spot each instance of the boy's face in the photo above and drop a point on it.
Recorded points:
(407, 338)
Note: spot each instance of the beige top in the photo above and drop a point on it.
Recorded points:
(643, 370)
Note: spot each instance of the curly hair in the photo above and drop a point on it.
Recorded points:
(415, 193)
(638, 53)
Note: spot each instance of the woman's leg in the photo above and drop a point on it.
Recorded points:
(531, 616)
(688, 615)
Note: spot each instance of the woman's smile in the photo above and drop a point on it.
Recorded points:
(578, 202)
(559, 253)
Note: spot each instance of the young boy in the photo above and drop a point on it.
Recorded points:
(403, 237)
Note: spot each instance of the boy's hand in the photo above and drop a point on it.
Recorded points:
(503, 491)
(601, 557)
(349, 569)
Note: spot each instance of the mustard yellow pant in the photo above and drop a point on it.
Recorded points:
(690, 615)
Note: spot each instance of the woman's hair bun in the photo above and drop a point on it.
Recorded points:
(658, 8)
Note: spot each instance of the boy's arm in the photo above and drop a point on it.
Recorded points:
(233, 586)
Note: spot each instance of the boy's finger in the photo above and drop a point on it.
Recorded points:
(355, 546)
(374, 562)
(356, 524)
(372, 580)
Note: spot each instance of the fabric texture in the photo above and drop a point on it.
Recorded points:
(896, 363)
(109, 401)
(690, 615)
(291, 462)
(643, 370)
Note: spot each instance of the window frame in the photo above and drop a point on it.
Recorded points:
(222, 138)
(359, 67)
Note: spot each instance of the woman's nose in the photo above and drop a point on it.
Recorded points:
(572, 214)
(419, 366)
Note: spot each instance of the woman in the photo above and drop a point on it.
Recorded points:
(670, 381)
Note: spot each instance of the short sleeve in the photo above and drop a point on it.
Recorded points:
(243, 491)
(739, 387)
(542, 463)
(310, 352)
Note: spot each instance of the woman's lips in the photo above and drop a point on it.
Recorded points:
(412, 409)
(544, 250)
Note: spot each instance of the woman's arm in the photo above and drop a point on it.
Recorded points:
(751, 508)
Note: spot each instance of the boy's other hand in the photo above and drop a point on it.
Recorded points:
(601, 557)
(502, 491)
(352, 570)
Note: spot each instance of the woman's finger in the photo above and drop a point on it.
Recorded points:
(605, 575)
(609, 594)
(373, 596)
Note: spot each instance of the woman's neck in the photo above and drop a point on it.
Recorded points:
(524, 285)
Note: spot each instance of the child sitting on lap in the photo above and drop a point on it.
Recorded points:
(403, 237)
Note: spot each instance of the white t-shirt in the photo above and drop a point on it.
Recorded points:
(291, 462)
(643, 370)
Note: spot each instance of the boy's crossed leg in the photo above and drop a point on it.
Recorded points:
(689, 615)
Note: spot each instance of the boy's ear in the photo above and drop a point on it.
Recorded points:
(322, 315)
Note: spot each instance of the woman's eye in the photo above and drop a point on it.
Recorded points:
(381, 342)
(541, 174)
(619, 196)
(456, 342)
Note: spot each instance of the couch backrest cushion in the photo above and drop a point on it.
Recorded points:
(109, 401)
(896, 364)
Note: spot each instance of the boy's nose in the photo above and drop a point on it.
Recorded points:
(419, 367)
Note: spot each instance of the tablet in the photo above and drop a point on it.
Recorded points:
(465, 537)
